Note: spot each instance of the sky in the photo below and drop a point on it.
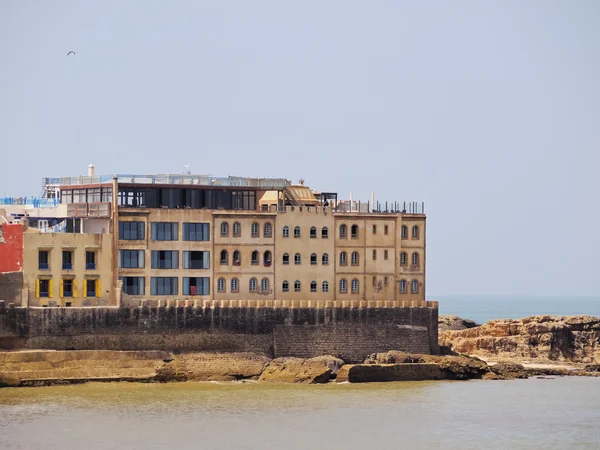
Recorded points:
(488, 111)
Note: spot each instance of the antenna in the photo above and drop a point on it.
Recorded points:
(186, 168)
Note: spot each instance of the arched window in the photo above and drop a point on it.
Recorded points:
(255, 230)
(297, 258)
(403, 286)
(415, 259)
(354, 286)
(324, 233)
(224, 229)
(343, 286)
(403, 258)
(354, 258)
(221, 285)
(325, 259)
(415, 232)
(297, 286)
(354, 231)
(267, 258)
(237, 259)
(325, 286)
(343, 230)
(343, 259)
(313, 232)
(286, 258)
(237, 229)
(268, 230)
(235, 285)
(285, 286)
(254, 257)
(404, 232)
(313, 258)
(224, 257)
(414, 287)
(286, 232)
(252, 284)
(313, 286)
(264, 285)
(297, 232)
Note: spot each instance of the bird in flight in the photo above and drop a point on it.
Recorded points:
(70, 52)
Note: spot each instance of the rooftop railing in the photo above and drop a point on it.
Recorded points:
(36, 202)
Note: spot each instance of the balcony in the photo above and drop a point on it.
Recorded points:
(413, 268)
(96, 209)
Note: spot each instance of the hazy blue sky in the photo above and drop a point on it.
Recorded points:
(489, 111)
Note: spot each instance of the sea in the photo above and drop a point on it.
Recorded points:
(538, 413)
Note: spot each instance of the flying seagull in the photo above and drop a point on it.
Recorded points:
(70, 52)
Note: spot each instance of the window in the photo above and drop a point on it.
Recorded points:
(252, 287)
(325, 259)
(90, 260)
(44, 287)
(297, 259)
(385, 281)
(285, 286)
(385, 255)
(221, 285)
(267, 258)
(235, 285)
(165, 259)
(286, 232)
(403, 286)
(237, 258)
(224, 257)
(66, 288)
(196, 231)
(131, 231)
(325, 286)
(343, 259)
(134, 285)
(404, 232)
(264, 286)
(313, 232)
(297, 286)
(255, 230)
(67, 260)
(237, 229)
(106, 194)
(354, 286)
(224, 229)
(43, 257)
(415, 259)
(91, 288)
(268, 230)
(164, 231)
(254, 258)
(196, 259)
(313, 259)
(354, 231)
(374, 255)
(415, 232)
(163, 286)
(354, 258)
(403, 258)
(132, 259)
(195, 286)
(313, 286)
(385, 229)
(297, 232)
(324, 233)
(286, 258)
(343, 287)
(414, 287)
(374, 229)
(343, 230)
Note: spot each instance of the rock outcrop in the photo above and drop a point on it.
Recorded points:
(574, 339)
(446, 323)
(365, 373)
(298, 370)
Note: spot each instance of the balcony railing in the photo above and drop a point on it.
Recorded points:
(43, 266)
(67, 266)
(90, 266)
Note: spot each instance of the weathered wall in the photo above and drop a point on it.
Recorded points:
(350, 342)
(11, 285)
(198, 329)
(11, 248)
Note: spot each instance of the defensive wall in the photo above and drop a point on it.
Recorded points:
(352, 330)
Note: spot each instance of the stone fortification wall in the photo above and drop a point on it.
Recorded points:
(11, 284)
(216, 329)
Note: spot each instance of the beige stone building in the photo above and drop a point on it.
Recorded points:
(193, 237)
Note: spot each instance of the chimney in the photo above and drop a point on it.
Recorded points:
(91, 170)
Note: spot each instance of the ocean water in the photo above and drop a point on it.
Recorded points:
(485, 307)
(519, 414)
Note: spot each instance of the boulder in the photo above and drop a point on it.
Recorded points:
(509, 371)
(331, 362)
(297, 370)
(206, 366)
(446, 323)
(364, 373)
